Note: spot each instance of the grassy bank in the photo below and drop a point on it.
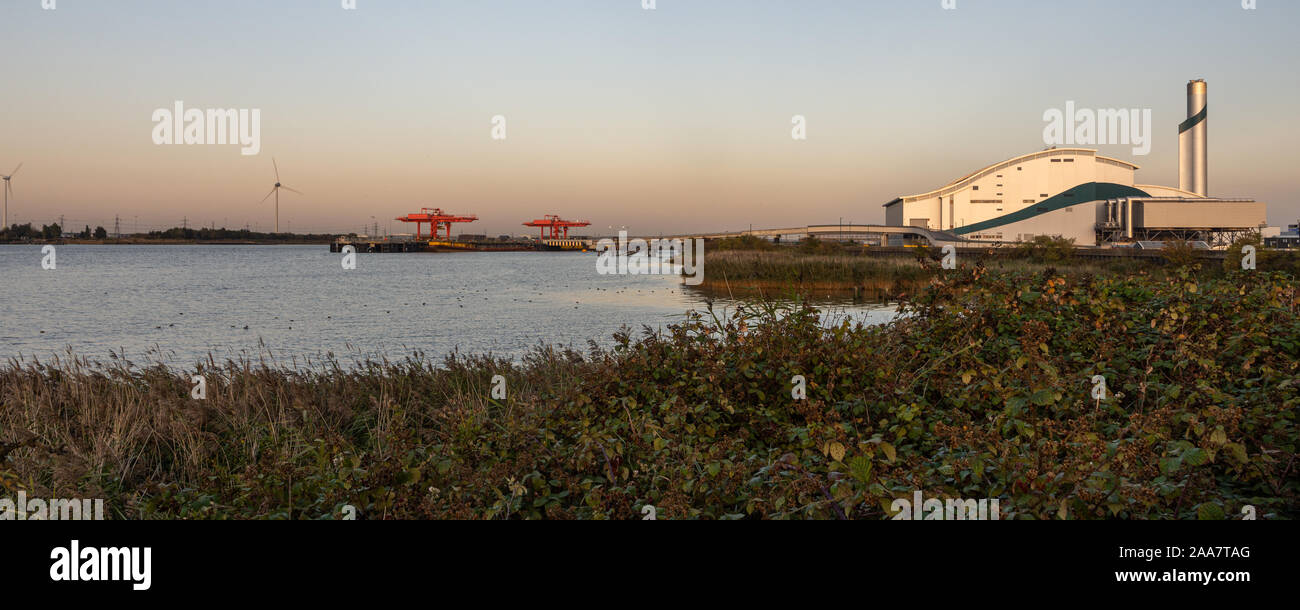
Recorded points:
(754, 267)
(776, 273)
(982, 391)
(787, 271)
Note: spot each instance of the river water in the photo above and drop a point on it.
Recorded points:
(178, 304)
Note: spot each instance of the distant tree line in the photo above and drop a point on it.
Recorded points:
(50, 231)
(27, 231)
(239, 235)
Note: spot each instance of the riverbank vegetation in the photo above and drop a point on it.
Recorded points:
(753, 267)
(983, 388)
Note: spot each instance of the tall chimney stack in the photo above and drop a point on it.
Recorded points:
(1193, 149)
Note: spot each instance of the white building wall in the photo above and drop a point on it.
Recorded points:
(1165, 191)
(1008, 189)
(1077, 222)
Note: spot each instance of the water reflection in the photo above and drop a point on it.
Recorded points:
(297, 302)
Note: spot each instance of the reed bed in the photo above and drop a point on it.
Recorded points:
(782, 272)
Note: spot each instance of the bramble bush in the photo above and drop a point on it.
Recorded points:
(980, 389)
(1048, 249)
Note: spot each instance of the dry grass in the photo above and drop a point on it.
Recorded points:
(79, 428)
(777, 272)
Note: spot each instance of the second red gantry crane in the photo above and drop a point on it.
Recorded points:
(556, 225)
(436, 219)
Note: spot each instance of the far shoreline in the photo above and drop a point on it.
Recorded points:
(159, 242)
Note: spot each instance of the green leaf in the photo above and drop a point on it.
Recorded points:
(411, 476)
(889, 450)
(1195, 456)
(1209, 511)
(860, 468)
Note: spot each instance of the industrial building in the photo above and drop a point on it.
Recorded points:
(1095, 200)
(1288, 239)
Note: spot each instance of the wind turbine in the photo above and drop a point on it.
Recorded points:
(8, 189)
(274, 191)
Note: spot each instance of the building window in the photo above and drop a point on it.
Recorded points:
(1028, 201)
(975, 188)
(986, 201)
(1056, 160)
(1069, 160)
(1043, 195)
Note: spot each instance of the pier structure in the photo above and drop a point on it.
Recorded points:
(367, 244)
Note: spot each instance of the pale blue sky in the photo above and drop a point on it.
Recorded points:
(665, 120)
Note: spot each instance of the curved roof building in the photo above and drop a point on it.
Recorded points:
(1076, 193)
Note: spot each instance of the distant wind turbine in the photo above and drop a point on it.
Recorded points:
(9, 188)
(274, 191)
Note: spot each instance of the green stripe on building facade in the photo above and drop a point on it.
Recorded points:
(1083, 193)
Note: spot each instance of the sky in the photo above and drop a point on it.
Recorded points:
(665, 120)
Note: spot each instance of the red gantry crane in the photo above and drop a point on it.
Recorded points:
(556, 224)
(436, 219)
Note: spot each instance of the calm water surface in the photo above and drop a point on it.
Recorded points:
(180, 303)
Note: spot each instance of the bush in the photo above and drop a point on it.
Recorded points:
(1232, 260)
(981, 389)
(1179, 254)
(1048, 249)
(813, 245)
(743, 242)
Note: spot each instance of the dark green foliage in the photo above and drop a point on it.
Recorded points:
(20, 231)
(981, 389)
(203, 234)
(1179, 253)
(743, 242)
(1047, 249)
(813, 245)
